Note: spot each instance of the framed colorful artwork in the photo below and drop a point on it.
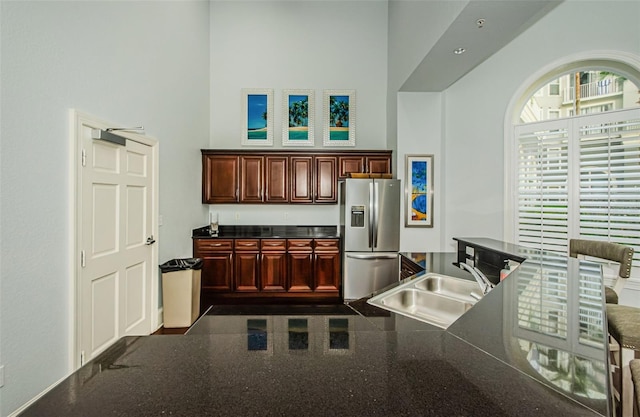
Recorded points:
(257, 117)
(298, 110)
(419, 191)
(339, 108)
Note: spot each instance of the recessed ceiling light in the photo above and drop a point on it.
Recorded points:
(459, 51)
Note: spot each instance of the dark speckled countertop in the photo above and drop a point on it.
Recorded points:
(286, 231)
(520, 351)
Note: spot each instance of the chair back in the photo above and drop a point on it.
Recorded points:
(604, 250)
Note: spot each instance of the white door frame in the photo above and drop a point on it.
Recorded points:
(77, 119)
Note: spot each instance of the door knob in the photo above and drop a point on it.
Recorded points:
(150, 240)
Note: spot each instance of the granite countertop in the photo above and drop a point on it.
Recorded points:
(257, 232)
(532, 347)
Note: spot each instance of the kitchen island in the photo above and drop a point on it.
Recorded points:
(533, 346)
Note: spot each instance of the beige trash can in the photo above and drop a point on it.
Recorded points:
(181, 291)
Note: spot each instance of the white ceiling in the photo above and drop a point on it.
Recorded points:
(503, 22)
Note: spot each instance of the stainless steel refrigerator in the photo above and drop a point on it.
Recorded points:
(370, 230)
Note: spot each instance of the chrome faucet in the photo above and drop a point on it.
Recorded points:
(481, 279)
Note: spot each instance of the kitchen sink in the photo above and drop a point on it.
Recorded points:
(432, 298)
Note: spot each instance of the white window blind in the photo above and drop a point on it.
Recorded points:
(610, 182)
(543, 195)
(579, 177)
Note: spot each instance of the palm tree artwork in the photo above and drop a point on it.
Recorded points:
(298, 117)
(339, 117)
(257, 115)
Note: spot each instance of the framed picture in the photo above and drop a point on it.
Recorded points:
(298, 110)
(419, 191)
(339, 108)
(257, 117)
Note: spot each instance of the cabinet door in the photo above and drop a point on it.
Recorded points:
(326, 182)
(219, 179)
(276, 179)
(379, 164)
(301, 179)
(217, 268)
(273, 265)
(251, 184)
(300, 259)
(326, 260)
(349, 164)
(247, 256)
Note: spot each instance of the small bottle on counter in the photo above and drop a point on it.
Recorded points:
(504, 272)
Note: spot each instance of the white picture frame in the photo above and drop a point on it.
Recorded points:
(339, 110)
(298, 117)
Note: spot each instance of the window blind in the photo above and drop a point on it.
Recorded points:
(610, 182)
(579, 177)
(543, 195)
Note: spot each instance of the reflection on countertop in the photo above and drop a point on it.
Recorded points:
(533, 346)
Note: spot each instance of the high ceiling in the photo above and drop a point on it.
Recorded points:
(502, 21)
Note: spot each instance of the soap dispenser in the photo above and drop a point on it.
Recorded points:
(506, 270)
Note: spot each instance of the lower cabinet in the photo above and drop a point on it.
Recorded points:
(273, 265)
(269, 270)
(247, 264)
(217, 268)
(300, 255)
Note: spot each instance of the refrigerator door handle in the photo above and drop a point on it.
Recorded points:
(376, 208)
(367, 256)
(371, 217)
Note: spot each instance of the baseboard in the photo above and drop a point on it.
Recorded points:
(26, 405)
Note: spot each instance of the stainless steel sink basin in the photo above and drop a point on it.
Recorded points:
(433, 298)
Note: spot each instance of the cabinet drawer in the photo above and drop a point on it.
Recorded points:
(273, 245)
(327, 245)
(213, 245)
(247, 244)
(294, 245)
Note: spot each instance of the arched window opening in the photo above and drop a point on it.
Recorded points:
(577, 161)
(581, 93)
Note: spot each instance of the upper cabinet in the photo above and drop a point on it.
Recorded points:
(220, 178)
(277, 176)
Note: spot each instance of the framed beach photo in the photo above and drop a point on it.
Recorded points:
(257, 116)
(419, 191)
(339, 108)
(298, 110)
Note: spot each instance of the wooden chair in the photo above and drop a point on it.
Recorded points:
(609, 251)
(623, 321)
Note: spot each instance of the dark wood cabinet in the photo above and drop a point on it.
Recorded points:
(247, 264)
(273, 265)
(220, 179)
(326, 262)
(217, 269)
(371, 162)
(301, 179)
(408, 268)
(295, 176)
(326, 179)
(276, 179)
(251, 179)
(378, 164)
(300, 256)
(271, 269)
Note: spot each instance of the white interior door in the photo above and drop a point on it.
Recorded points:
(116, 267)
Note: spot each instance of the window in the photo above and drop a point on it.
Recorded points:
(596, 92)
(579, 177)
